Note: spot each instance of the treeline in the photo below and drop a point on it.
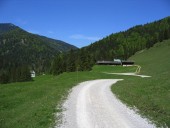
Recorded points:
(72, 61)
(119, 45)
(15, 74)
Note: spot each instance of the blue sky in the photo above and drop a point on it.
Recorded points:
(81, 22)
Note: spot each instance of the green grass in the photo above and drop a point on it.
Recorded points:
(33, 104)
(115, 69)
(150, 95)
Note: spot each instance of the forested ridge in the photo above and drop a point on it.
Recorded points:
(119, 45)
(21, 52)
(125, 44)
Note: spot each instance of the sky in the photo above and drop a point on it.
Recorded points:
(81, 22)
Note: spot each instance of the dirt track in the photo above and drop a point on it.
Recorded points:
(91, 104)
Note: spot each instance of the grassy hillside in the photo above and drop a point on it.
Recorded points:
(115, 69)
(150, 95)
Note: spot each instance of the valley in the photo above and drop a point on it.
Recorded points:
(60, 68)
(34, 103)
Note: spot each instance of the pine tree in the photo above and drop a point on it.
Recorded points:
(71, 61)
(56, 66)
(4, 77)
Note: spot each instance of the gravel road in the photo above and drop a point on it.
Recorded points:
(91, 104)
(128, 74)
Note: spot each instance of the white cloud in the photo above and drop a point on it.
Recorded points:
(80, 36)
(50, 32)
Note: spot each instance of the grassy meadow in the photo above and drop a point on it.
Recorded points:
(34, 104)
(150, 95)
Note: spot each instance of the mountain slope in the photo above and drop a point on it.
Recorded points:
(58, 44)
(120, 45)
(10, 30)
(125, 44)
(18, 48)
(150, 95)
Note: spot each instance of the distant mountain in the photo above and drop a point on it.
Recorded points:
(19, 47)
(57, 44)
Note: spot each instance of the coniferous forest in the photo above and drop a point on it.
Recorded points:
(21, 52)
(120, 45)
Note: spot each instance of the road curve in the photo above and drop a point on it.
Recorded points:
(91, 104)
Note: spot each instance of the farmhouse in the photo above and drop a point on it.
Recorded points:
(127, 62)
(108, 63)
(115, 62)
(32, 73)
